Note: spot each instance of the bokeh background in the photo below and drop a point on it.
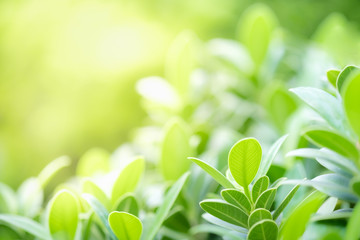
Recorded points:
(68, 68)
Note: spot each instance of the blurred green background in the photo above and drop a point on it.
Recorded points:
(68, 67)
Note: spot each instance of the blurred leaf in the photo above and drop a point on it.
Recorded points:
(217, 221)
(213, 172)
(269, 157)
(332, 76)
(265, 229)
(259, 187)
(225, 212)
(237, 198)
(256, 27)
(210, 228)
(326, 105)
(30, 196)
(266, 199)
(330, 139)
(355, 185)
(26, 224)
(285, 202)
(294, 226)
(163, 211)
(8, 201)
(94, 161)
(63, 215)
(351, 99)
(52, 168)
(125, 225)
(175, 150)
(93, 189)
(128, 179)
(127, 203)
(244, 161)
(257, 215)
(352, 228)
(347, 72)
(328, 206)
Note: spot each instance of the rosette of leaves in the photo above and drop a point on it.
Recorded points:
(247, 200)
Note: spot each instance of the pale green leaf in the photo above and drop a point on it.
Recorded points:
(125, 225)
(128, 179)
(266, 199)
(259, 187)
(163, 211)
(265, 230)
(209, 228)
(213, 172)
(328, 206)
(26, 224)
(31, 196)
(259, 214)
(351, 99)
(237, 198)
(217, 221)
(63, 215)
(285, 202)
(175, 150)
(244, 161)
(93, 189)
(52, 169)
(294, 226)
(8, 201)
(352, 228)
(94, 161)
(345, 74)
(225, 211)
(127, 203)
(332, 76)
(355, 185)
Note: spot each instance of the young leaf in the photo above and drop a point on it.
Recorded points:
(269, 157)
(163, 211)
(352, 228)
(294, 226)
(259, 187)
(26, 224)
(127, 203)
(332, 76)
(213, 172)
(125, 225)
(347, 72)
(266, 199)
(244, 161)
(63, 215)
(93, 189)
(326, 105)
(351, 99)
(285, 202)
(175, 150)
(265, 230)
(128, 179)
(94, 161)
(330, 139)
(259, 214)
(237, 198)
(52, 168)
(225, 212)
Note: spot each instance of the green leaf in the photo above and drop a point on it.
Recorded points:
(351, 99)
(213, 172)
(269, 157)
(175, 150)
(225, 211)
(259, 214)
(265, 230)
(256, 28)
(8, 201)
(63, 215)
(26, 224)
(244, 161)
(125, 225)
(332, 76)
(355, 185)
(266, 199)
(330, 139)
(259, 187)
(237, 198)
(52, 168)
(294, 226)
(31, 196)
(326, 105)
(285, 202)
(346, 73)
(128, 179)
(93, 189)
(210, 228)
(352, 228)
(128, 203)
(217, 221)
(163, 211)
(94, 161)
